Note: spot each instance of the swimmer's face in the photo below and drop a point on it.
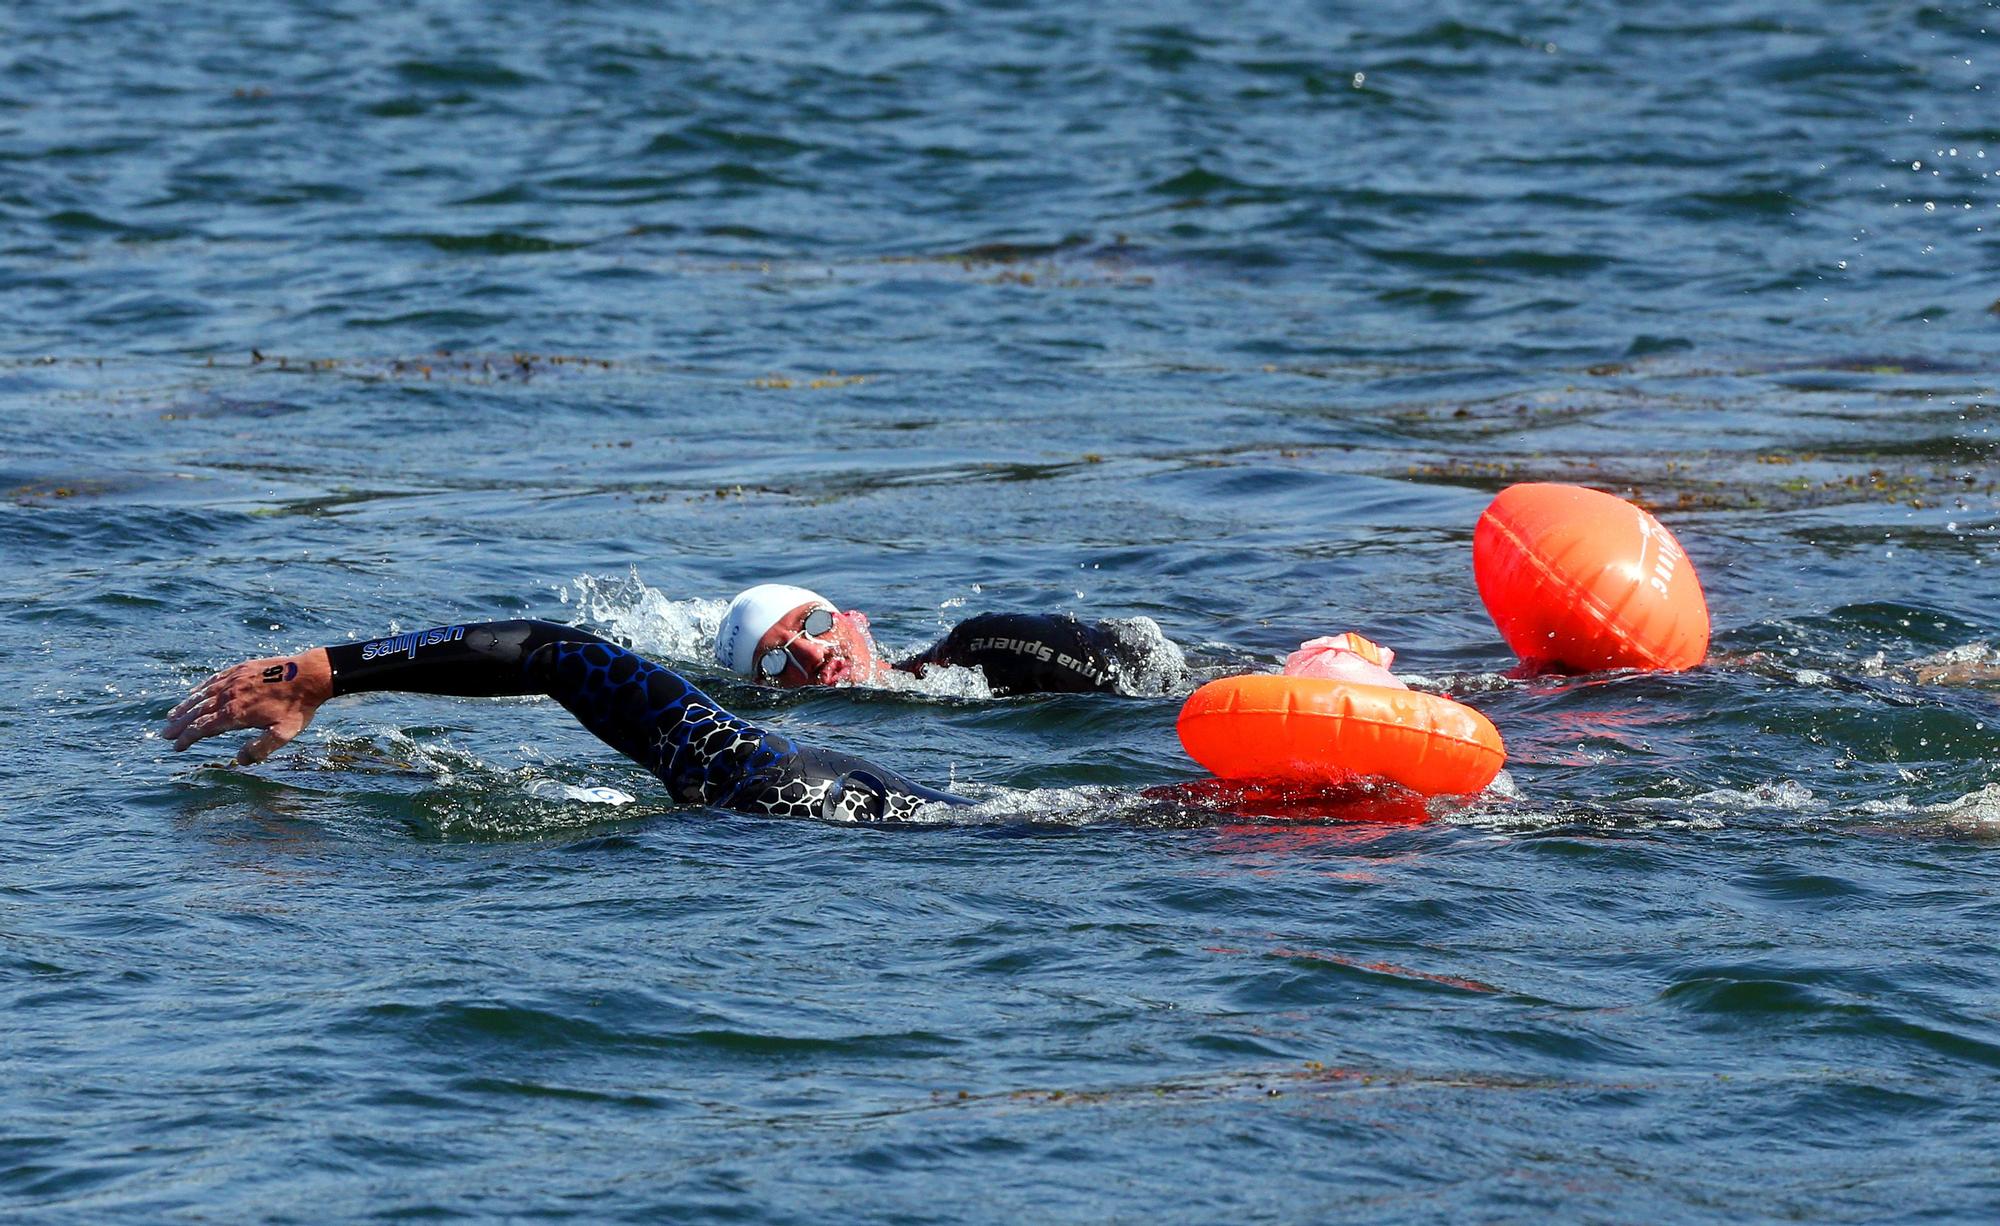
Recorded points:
(842, 653)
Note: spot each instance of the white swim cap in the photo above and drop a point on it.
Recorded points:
(751, 615)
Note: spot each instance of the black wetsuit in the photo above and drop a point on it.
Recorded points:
(1032, 653)
(649, 713)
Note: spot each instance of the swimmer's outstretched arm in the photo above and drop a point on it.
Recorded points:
(651, 714)
(280, 694)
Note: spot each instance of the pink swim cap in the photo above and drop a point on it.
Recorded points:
(1344, 657)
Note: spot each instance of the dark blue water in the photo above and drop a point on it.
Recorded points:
(337, 318)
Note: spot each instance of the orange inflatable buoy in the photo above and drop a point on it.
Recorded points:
(1579, 579)
(1318, 730)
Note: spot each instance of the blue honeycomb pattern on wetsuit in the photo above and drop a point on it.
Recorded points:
(704, 754)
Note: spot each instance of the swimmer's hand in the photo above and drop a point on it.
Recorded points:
(278, 695)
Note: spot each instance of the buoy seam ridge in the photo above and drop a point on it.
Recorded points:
(1429, 732)
(1548, 572)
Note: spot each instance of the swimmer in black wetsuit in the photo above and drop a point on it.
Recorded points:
(649, 713)
(793, 636)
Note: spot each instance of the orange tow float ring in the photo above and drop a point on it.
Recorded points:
(1312, 729)
(1581, 580)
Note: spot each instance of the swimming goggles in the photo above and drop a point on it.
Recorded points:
(771, 665)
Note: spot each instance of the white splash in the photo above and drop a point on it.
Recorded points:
(948, 681)
(625, 607)
(1982, 806)
(1164, 665)
(1776, 794)
(1084, 805)
(1968, 663)
(596, 794)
